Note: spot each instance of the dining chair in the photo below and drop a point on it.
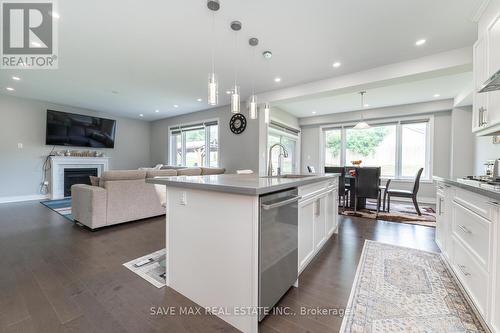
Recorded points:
(367, 185)
(343, 190)
(406, 194)
(384, 188)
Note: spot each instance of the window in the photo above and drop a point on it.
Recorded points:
(373, 146)
(399, 148)
(414, 149)
(289, 138)
(195, 145)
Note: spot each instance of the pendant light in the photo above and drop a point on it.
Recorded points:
(362, 124)
(267, 110)
(267, 107)
(213, 88)
(235, 96)
(252, 103)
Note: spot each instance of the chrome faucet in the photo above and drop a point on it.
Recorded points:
(285, 155)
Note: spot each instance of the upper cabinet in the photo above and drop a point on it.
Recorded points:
(486, 108)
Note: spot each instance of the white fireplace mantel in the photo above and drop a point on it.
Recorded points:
(59, 163)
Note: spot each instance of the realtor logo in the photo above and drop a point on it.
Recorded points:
(29, 34)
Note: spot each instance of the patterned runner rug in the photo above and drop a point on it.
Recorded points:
(398, 289)
(62, 207)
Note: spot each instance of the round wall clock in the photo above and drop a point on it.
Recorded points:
(238, 123)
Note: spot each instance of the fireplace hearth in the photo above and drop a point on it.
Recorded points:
(74, 176)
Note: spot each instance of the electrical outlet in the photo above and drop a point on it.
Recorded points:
(183, 199)
(20, 145)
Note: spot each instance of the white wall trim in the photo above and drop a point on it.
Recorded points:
(22, 198)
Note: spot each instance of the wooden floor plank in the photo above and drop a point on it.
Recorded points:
(70, 279)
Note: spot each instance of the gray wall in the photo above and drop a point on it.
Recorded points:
(462, 143)
(236, 151)
(441, 147)
(23, 121)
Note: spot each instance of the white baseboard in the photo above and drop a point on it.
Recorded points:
(21, 198)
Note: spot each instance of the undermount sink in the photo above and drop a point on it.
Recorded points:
(289, 176)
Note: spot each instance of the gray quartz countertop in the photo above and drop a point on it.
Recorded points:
(239, 184)
(476, 189)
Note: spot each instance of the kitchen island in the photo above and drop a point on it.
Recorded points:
(235, 243)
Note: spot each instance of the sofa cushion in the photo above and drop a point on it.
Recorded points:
(212, 171)
(161, 173)
(121, 175)
(189, 172)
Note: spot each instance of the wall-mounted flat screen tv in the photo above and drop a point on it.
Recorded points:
(69, 129)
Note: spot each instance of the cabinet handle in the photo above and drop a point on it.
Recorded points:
(464, 229)
(462, 269)
(440, 207)
(318, 207)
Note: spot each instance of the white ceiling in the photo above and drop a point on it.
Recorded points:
(156, 53)
(415, 91)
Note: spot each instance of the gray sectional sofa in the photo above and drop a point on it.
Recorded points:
(123, 195)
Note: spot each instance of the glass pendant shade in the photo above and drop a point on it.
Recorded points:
(267, 110)
(252, 107)
(213, 91)
(235, 100)
(362, 125)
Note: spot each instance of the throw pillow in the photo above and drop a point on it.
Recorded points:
(94, 181)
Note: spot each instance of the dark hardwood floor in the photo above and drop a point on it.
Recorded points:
(58, 277)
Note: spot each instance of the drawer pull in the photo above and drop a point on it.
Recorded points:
(462, 269)
(464, 229)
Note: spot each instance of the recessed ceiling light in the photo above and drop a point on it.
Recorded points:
(336, 64)
(228, 92)
(55, 15)
(366, 105)
(437, 95)
(36, 44)
(277, 79)
(176, 106)
(141, 115)
(199, 100)
(10, 89)
(16, 78)
(420, 42)
(157, 111)
(314, 112)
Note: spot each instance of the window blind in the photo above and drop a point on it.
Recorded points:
(284, 128)
(192, 127)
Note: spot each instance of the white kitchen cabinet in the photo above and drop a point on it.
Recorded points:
(480, 100)
(332, 212)
(468, 234)
(306, 232)
(320, 221)
(493, 58)
(317, 219)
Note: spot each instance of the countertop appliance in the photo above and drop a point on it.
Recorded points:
(278, 247)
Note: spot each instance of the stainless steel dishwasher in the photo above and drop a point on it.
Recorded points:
(278, 246)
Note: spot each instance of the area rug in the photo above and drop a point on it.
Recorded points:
(150, 267)
(398, 289)
(400, 212)
(62, 207)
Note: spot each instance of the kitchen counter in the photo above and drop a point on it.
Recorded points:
(469, 187)
(239, 184)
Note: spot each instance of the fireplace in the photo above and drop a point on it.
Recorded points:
(77, 176)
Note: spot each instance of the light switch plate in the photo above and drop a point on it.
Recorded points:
(19, 145)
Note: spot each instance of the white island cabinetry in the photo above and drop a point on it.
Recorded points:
(318, 218)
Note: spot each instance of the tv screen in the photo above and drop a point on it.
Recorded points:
(69, 129)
